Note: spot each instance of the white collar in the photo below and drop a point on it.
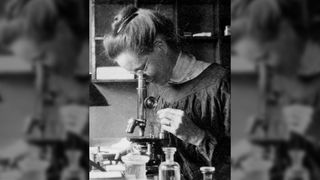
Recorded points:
(310, 64)
(187, 68)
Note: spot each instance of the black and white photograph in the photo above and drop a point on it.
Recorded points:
(163, 67)
(159, 90)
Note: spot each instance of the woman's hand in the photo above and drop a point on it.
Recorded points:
(74, 117)
(298, 117)
(179, 124)
(121, 148)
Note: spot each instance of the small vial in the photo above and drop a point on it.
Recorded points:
(73, 171)
(169, 169)
(227, 31)
(297, 171)
(207, 172)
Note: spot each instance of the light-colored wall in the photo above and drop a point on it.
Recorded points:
(244, 100)
(111, 121)
(18, 98)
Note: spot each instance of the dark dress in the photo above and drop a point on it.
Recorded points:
(206, 100)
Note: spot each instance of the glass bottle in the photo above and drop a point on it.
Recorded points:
(207, 172)
(297, 171)
(168, 169)
(73, 171)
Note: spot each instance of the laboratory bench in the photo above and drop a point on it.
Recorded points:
(114, 170)
(98, 175)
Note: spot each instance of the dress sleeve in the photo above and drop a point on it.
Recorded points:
(215, 146)
(215, 111)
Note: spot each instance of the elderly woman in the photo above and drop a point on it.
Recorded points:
(193, 96)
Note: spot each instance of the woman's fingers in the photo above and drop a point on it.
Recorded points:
(165, 121)
(169, 116)
(166, 111)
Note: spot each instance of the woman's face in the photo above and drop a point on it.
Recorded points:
(26, 49)
(157, 65)
(249, 49)
(282, 54)
(74, 117)
(59, 53)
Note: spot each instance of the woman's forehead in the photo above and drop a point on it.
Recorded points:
(25, 48)
(128, 60)
(247, 47)
(127, 56)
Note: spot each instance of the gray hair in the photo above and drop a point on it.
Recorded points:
(136, 30)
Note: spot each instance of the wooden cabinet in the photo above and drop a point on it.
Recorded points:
(200, 23)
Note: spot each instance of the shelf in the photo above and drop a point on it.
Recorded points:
(97, 81)
(181, 2)
(214, 38)
(113, 1)
(113, 72)
(98, 38)
(154, 1)
(198, 2)
(242, 66)
(13, 65)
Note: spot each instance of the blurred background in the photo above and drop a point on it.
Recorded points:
(44, 87)
(16, 92)
(275, 89)
(271, 39)
(244, 95)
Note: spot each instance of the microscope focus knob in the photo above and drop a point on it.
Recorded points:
(150, 102)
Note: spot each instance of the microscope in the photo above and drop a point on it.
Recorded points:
(264, 131)
(150, 145)
(39, 132)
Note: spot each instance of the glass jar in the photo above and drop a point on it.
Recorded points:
(207, 172)
(297, 171)
(135, 166)
(169, 169)
(73, 171)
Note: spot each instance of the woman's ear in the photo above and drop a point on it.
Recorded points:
(160, 46)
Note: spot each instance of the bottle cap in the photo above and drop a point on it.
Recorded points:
(169, 149)
(205, 169)
(135, 159)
